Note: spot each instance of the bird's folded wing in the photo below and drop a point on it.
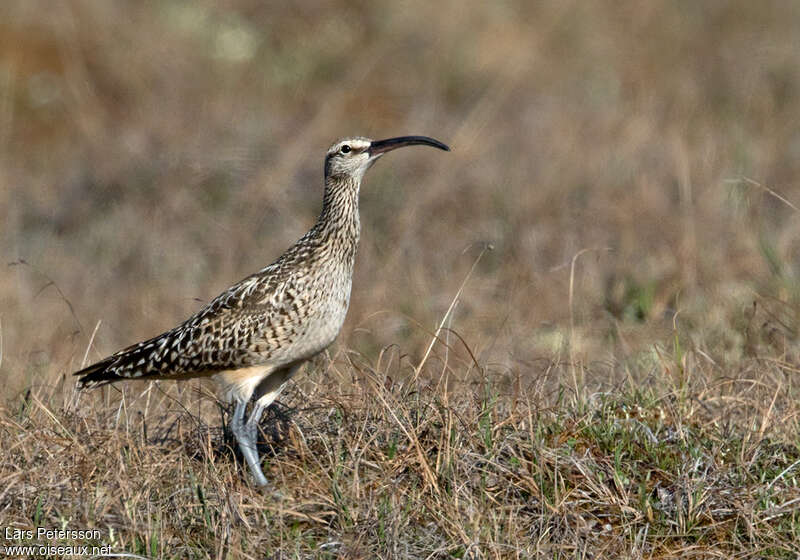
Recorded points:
(226, 334)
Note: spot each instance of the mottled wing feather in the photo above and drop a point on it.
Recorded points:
(227, 334)
(267, 317)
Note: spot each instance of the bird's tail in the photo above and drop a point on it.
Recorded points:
(142, 360)
(98, 374)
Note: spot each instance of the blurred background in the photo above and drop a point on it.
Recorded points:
(633, 165)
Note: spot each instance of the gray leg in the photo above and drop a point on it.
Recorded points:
(251, 427)
(247, 432)
(246, 437)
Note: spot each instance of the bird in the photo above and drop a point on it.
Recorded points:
(254, 336)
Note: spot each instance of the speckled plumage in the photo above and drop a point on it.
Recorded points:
(286, 312)
(253, 337)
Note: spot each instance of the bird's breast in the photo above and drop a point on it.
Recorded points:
(315, 308)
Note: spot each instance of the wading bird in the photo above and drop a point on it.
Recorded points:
(254, 336)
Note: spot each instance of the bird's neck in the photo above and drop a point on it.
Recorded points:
(339, 216)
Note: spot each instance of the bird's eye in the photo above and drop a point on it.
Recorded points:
(345, 149)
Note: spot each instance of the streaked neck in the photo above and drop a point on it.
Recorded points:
(339, 214)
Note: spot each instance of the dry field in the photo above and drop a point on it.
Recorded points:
(574, 336)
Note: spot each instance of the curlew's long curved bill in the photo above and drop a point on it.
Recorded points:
(382, 146)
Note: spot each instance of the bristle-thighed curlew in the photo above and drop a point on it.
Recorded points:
(254, 336)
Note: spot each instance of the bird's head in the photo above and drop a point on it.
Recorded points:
(351, 157)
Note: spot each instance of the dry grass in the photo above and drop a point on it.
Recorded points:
(615, 379)
(366, 466)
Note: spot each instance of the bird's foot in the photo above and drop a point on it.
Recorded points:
(270, 490)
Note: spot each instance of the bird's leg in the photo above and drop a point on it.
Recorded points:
(251, 427)
(246, 437)
(237, 420)
(247, 432)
